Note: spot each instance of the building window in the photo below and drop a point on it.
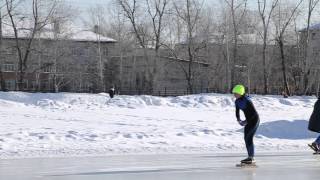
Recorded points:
(33, 85)
(61, 68)
(47, 67)
(8, 50)
(80, 52)
(86, 52)
(105, 51)
(313, 36)
(10, 84)
(45, 52)
(8, 67)
(75, 52)
(25, 84)
(44, 85)
(315, 52)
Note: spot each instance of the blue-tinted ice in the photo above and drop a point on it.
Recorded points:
(271, 166)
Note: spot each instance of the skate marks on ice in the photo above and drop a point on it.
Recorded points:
(244, 165)
(194, 167)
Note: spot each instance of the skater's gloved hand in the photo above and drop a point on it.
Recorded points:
(242, 123)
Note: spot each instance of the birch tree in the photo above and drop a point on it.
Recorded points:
(119, 29)
(97, 21)
(60, 21)
(265, 16)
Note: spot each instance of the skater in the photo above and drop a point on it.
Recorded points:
(111, 92)
(314, 125)
(251, 123)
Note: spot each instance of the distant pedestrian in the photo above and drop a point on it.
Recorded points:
(251, 123)
(111, 92)
(284, 94)
(314, 125)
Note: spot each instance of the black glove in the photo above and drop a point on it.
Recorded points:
(242, 123)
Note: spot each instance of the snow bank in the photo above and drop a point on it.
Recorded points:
(64, 124)
(207, 101)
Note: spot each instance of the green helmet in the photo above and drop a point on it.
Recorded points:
(239, 89)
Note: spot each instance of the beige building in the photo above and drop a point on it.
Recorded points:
(83, 61)
(72, 64)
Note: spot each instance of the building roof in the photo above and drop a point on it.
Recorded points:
(312, 27)
(71, 33)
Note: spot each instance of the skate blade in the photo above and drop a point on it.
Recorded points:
(244, 165)
(316, 151)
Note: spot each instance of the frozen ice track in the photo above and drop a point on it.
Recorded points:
(272, 166)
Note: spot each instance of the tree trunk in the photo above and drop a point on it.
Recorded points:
(305, 55)
(189, 78)
(265, 75)
(283, 63)
(2, 82)
(235, 46)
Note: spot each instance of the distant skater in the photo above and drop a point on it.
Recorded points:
(314, 125)
(111, 92)
(251, 123)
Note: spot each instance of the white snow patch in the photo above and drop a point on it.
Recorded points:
(69, 124)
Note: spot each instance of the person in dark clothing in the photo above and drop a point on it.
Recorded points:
(314, 125)
(251, 123)
(111, 92)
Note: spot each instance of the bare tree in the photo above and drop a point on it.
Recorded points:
(282, 21)
(189, 11)
(131, 10)
(305, 68)
(39, 20)
(60, 21)
(265, 17)
(2, 16)
(119, 29)
(238, 10)
(156, 10)
(97, 23)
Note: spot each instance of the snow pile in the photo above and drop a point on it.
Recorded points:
(66, 124)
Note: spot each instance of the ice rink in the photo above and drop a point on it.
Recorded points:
(271, 166)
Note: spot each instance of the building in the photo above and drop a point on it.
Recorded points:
(141, 71)
(57, 61)
(310, 55)
(84, 61)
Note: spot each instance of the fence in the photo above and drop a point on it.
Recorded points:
(166, 92)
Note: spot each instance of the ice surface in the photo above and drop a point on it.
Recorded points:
(275, 166)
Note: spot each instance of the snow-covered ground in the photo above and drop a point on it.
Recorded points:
(68, 124)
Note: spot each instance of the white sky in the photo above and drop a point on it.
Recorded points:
(84, 4)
